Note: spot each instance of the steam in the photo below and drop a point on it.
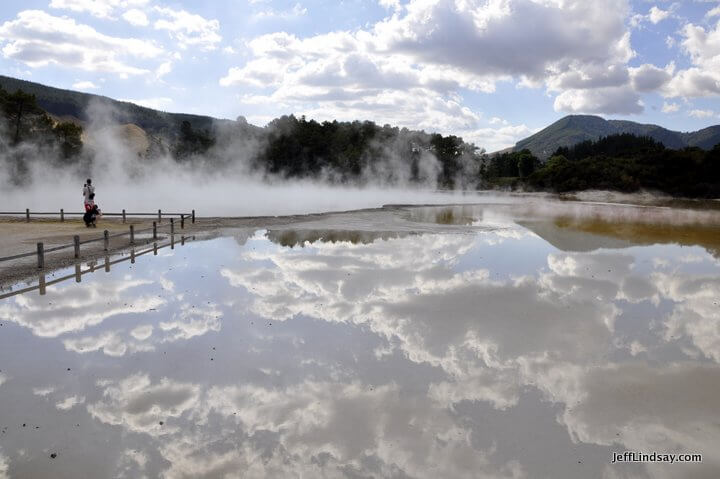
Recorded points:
(221, 183)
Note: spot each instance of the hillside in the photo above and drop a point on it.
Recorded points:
(68, 104)
(573, 129)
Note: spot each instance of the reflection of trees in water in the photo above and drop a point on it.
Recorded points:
(291, 238)
(463, 215)
(707, 236)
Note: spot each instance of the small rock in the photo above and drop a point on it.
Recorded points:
(53, 455)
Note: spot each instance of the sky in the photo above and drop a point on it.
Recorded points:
(491, 71)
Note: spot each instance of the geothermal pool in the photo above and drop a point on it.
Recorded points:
(469, 341)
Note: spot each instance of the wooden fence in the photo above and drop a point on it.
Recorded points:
(62, 214)
(41, 251)
(43, 284)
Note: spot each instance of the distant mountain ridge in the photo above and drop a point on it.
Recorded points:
(574, 129)
(73, 104)
(567, 131)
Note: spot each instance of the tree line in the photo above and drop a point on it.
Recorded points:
(629, 163)
(358, 152)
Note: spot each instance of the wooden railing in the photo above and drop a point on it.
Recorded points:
(62, 214)
(42, 283)
(105, 238)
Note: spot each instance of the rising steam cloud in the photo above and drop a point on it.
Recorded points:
(222, 183)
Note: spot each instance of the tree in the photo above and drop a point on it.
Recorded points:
(25, 118)
(70, 137)
(527, 163)
(192, 141)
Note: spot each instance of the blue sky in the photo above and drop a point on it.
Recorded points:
(491, 71)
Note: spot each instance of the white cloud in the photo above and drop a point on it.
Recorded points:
(409, 69)
(136, 17)
(70, 402)
(390, 4)
(703, 77)
(713, 12)
(702, 113)
(296, 11)
(163, 69)
(189, 30)
(85, 85)
(648, 77)
(617, 100)
(143, 332)
(493, 139)
(657, 15)
(670, 107)
(97, 8)
(39, 39)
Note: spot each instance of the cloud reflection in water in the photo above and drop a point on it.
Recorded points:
(346, 354)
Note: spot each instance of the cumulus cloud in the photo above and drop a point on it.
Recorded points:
(38, 39)
(670, 107)
(648, 77)
(657, 15)
(390, 4)
(136, 17)
(296, 11)
(97, 8)
(188, 29)
(702, 113)
(702, 45)
(408, 69)
(614, 100)
(70, 402)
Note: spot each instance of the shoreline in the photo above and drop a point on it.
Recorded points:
(18, 236)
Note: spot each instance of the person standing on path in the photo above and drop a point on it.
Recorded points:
(88, 189)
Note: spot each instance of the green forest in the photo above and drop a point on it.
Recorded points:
(361, 152)
(629, 163)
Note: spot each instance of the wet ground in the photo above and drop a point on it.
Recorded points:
(432, 342)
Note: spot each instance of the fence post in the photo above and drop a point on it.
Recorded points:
(107, 264)
(182, 240)
(193, 216)
(106, 239)
(76, 243)
(78, 276)
(154, 230)
(182, 222)
(27, 215)
(132, 234)
(132, 255)
(41, 284)
(124, 216)
(172, 226)
(41, 255)
(159, 216)
(155, 249)
(62, 215)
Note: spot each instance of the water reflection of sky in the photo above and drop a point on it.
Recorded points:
(474, 353)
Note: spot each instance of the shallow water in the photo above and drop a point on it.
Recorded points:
(461, 342)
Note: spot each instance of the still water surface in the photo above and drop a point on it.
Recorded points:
(462, 342)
